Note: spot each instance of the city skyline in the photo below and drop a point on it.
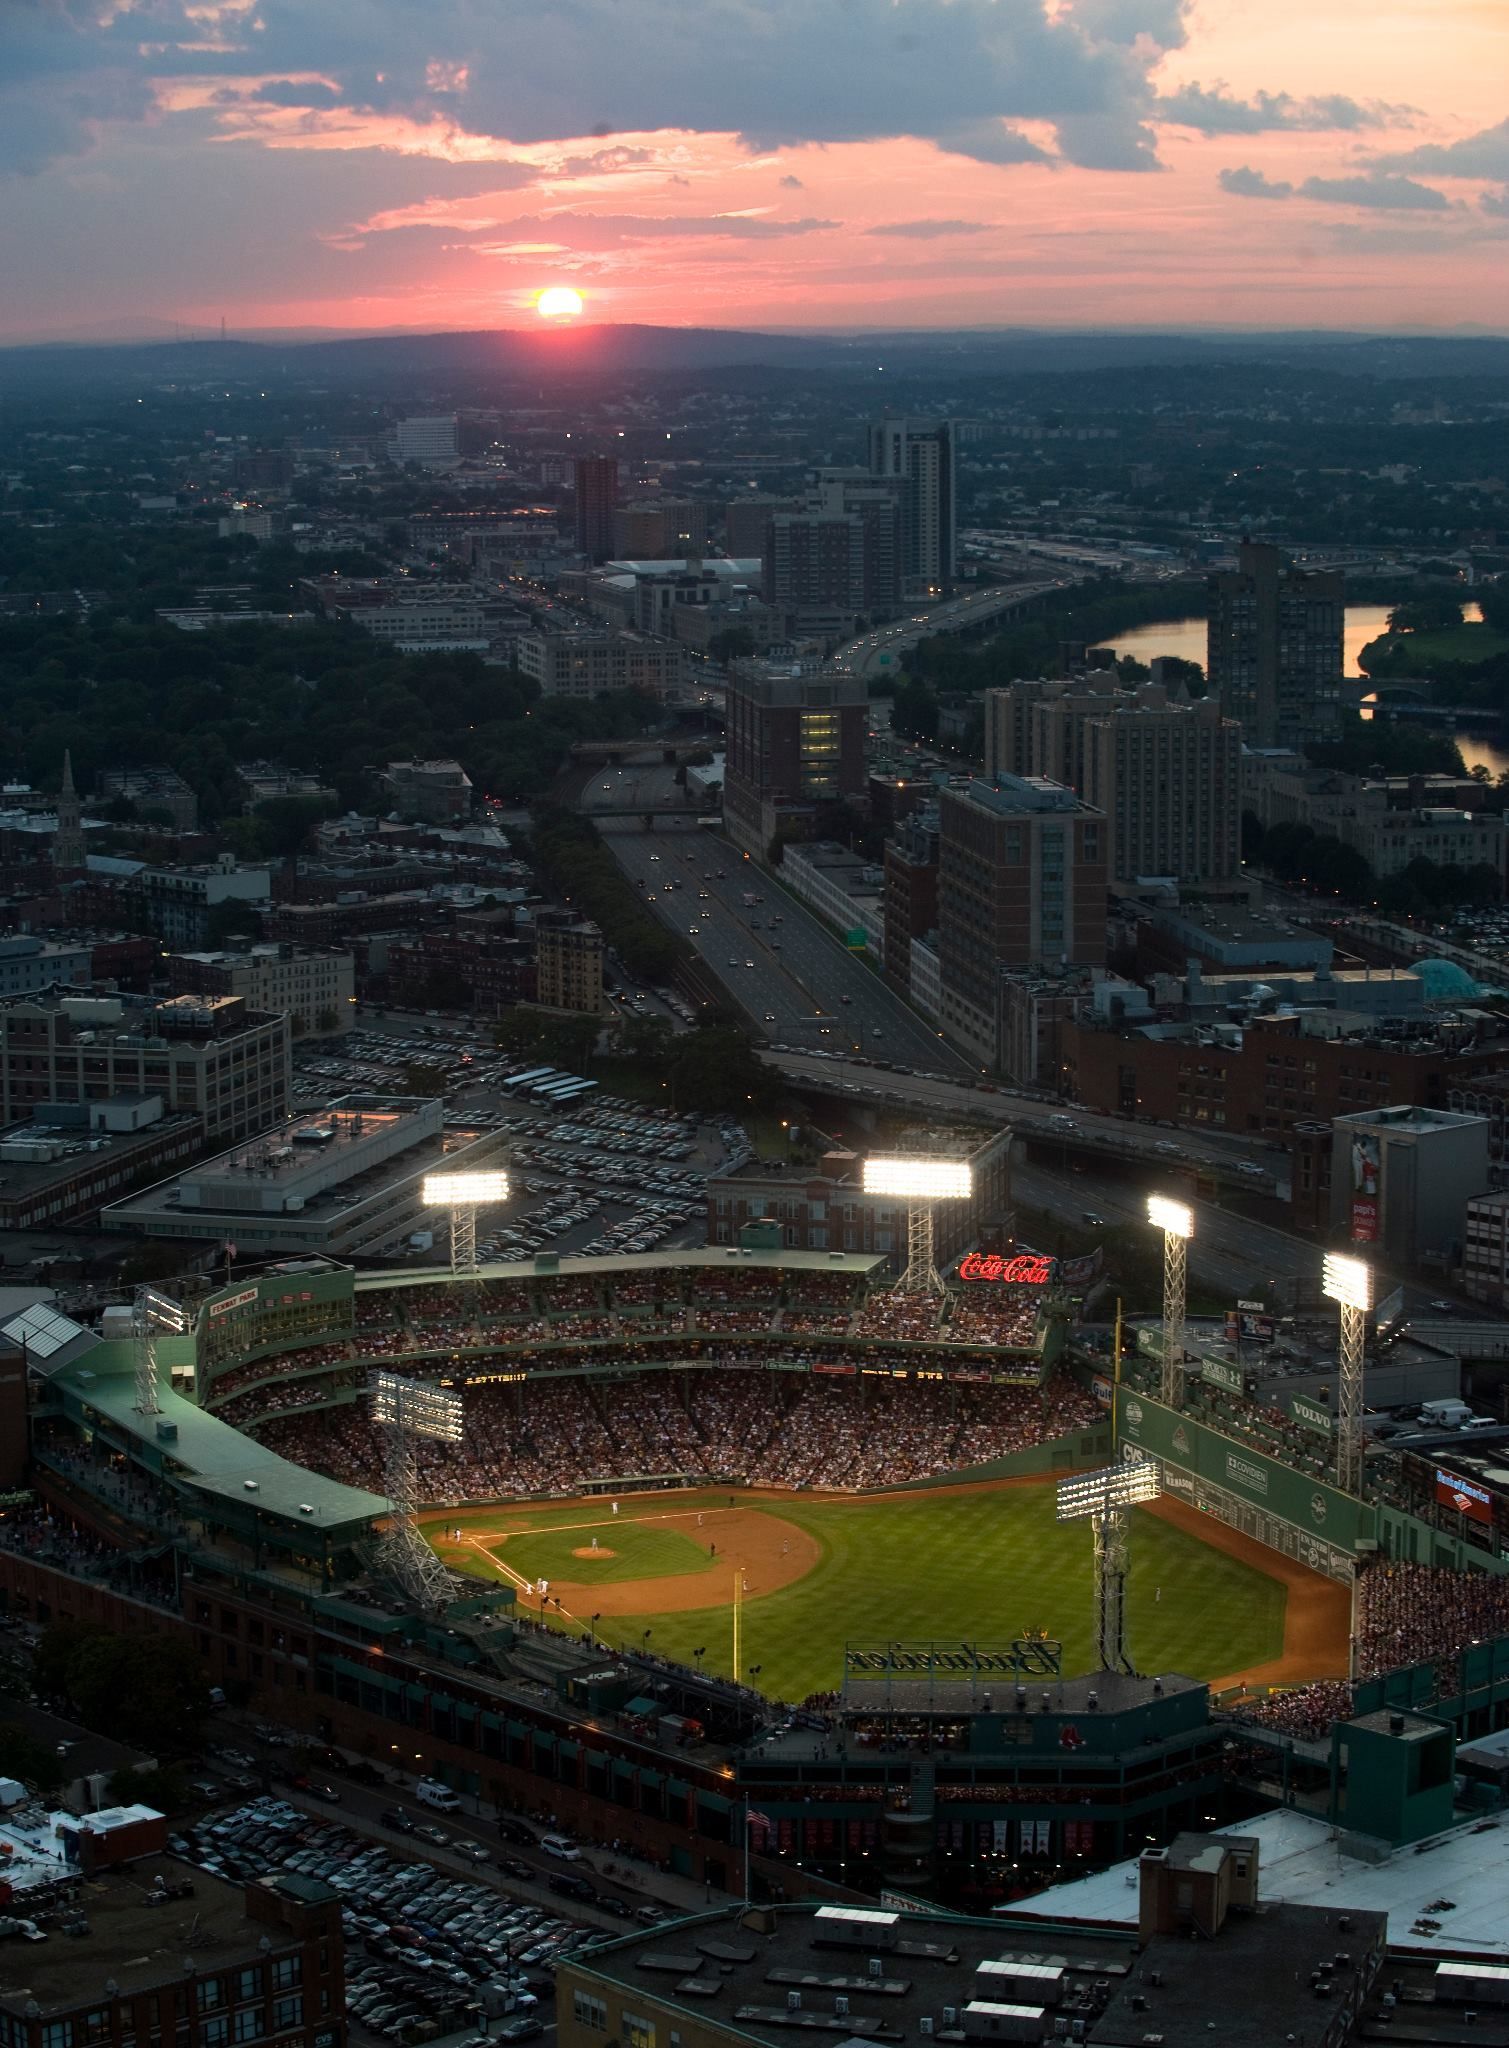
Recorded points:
(1025, 163)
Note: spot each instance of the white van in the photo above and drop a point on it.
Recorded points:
(562, 1846)
(430, 1792)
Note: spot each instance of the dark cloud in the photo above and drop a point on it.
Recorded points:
(1484, 155)
(1247, 183)
(930, 230)
(609, 230)
(1496, 203)
(1389, 194)
(793, 183)
(1217, 112)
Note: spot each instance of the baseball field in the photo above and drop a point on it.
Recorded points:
(986, 1562)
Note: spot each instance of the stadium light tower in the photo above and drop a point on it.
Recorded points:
(1349, 1283)
(464, 1194)
(921, 1183)
(1104, 1499)
(1177, 1222)
(152, 1314)
(410, 1410)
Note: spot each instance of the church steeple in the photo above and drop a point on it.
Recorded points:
(68, 840)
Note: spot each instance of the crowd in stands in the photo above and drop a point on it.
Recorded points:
(767, 1428)
(912, 1317)
(1407, 1614)
(313, 1360)
(1006, 1316)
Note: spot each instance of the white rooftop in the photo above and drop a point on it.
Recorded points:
(1299, 1863)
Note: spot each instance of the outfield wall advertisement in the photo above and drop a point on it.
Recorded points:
(1307, 1504)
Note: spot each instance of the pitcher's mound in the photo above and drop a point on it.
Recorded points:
(586, 1550)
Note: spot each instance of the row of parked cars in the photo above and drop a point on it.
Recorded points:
(423, 1948)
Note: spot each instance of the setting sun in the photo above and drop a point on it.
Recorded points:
(559, 302)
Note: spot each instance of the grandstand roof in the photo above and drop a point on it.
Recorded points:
(719, 1258)
(213, 1458)
(1299, 1864)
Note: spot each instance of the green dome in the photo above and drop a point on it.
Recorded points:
(1445, 982)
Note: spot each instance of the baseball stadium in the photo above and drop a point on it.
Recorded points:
(648, 1542)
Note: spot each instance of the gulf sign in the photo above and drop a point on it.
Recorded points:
(1452, 1491)
(1026, 1269)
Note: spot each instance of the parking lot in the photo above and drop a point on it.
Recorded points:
(594, 1176)
(429, 1952)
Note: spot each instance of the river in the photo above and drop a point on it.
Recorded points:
(1364, 622)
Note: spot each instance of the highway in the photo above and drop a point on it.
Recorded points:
(879, 649)
(779, 963)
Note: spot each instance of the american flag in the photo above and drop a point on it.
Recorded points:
(758, 1820)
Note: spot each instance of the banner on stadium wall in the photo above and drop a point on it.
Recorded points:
(1246, 1326)
(1311, 1414)
(1367, 1169)
(1220, 1374)
(1082, 1271)
(1102, 1388)
(1192, 1451)
(1465, 1495)
(1024, 1269)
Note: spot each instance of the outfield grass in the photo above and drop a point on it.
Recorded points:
(989, 1564)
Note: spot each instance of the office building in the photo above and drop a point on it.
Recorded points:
(29, 964)
(1401, 1179)
(568, 963)
(842, 887)
(322, 1183)
(315, 989)
(920, 455)
(185, 905)
(152, 790)
(745, 520)
(596, 501)
(1168, 778)
(1022, 868)
(207, 1056)
(434, 792)
(795, 743)
(587, 664)
(911, 893)
(827, 1210)
(1167, 774)
(660, 527)
(1274, 647)
(431, 443)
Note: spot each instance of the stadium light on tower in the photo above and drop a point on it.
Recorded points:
(1349, 1283)
(464, 1194)
(1104, 1500)
(408, 1410)
(919, 1182)
(1177, 1222)
(152, 1315)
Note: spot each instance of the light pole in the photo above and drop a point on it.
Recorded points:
(1104, 1499)
(921, 1183)
(464, 1194)
(152, 1314)
(408, 1410)
(1349, 1283)
(1177, 1222)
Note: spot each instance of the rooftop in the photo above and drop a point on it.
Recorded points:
(137, 1944)
(1301, 1863)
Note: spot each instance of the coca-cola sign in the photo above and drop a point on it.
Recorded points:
(1025, 1269)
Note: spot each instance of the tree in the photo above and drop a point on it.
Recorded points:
(419, 1078)
(1429, 612)
(715, 1068)
(326, 1022)
(23, 1757)
(149, 1690)
(648, 1041)
(729, 642)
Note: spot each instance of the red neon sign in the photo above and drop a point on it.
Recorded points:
(1027, 1269)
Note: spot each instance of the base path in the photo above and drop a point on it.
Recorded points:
(1317, 1611)
(769, 1552)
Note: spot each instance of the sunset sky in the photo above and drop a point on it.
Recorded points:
(427, 164)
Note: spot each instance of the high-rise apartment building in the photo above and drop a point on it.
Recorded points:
(1166, 775)
(920, 455)
(568, 963)
(1022, 866)
(838, 557)
(796, 741)
(596, 501)
(911, 893)
(1274, 647)
(745, 521)
(429, 442)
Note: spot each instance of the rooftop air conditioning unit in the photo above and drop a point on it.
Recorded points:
(251, 1485)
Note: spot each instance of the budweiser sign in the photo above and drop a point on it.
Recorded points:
(1027, 1269)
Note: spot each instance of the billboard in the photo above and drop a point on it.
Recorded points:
(1220, 1374)
(1367, 1168)
(1244, 1327)
(1310, 1414)
(1468, 1498)
(1026, 1269)
(1310, 1505)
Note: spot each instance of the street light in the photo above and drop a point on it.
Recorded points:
(1349, 1283)
(463, 1194)
(1177, 1222)
(921, 1184)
